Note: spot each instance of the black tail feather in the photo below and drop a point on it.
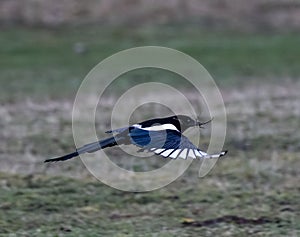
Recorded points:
(63, 158)
(89, 148)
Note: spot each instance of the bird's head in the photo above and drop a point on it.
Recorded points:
(186, 122)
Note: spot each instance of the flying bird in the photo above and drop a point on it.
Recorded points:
(163, 136)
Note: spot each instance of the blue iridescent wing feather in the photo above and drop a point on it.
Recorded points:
(168, 143)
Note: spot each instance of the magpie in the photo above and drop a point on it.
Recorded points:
(162, 136)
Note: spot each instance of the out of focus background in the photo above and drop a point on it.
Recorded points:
(252, 50)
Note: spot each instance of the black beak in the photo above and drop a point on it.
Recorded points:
(200, 124)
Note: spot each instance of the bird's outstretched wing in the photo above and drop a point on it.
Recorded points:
(168, 143)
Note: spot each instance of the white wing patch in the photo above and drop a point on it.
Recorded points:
(183, 153)
(166, 153)
(200, 153)
(191, 154)
(223, 153)
(174, 155)
(157, 127)
(157, 151)
(137, 125)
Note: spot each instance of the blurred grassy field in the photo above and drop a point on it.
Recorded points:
(32, 59)
(255, 191)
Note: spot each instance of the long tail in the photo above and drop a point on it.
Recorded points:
(88, 148)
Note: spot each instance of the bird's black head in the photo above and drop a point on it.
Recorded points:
(183, 122)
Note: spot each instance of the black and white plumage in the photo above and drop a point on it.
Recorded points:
(163, 136)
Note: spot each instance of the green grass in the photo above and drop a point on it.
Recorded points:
(31, 59)
(36, 205)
